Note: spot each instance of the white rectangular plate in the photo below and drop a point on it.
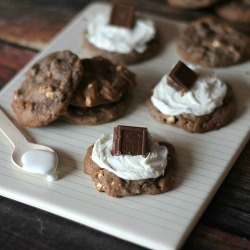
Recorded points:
(157, 222)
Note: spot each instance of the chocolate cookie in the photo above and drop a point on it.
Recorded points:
(121, 36)
(106, 181)
(48, 89)
(102, 83)
(96, 115)
(237, 12)
(103, 93)
(198, 124)
(209, 42)
(133, 57)
(191, 4)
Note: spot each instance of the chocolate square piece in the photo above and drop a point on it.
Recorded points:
(181, 78)
(129, 140)
(123, 15)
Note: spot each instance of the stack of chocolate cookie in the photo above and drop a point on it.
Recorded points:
(91, 91)
(48, 89)
(102, 93)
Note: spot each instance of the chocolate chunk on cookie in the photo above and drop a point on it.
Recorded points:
(48, 89)
(129, 140)
(209, 42)
(102, 83)
(181, 77)
(123, 15)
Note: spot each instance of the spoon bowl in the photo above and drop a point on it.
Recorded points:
(30, 157)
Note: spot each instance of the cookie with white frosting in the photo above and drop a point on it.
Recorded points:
(121, 43)
(208, 105)
(124, 174)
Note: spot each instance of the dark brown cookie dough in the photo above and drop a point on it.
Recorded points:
(48, 89)
(209, 42)
(191, 4)
(103, 93)
(235, 11)
(198, 124)
(153, 47)
(115, 186)
(102, 83)
(96, 115)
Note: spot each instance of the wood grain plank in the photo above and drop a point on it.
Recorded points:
(230, 208)
(206, 238)
(161, 8)
(74, 5)
(30, 25)
(12, 60)
(24, 227)
(225, 223)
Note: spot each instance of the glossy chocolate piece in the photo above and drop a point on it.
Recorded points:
(181, 78)
(122, 15)
(129, 140)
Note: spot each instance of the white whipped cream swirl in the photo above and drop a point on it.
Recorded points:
(205, 95)
(120, 39)
(130, 167)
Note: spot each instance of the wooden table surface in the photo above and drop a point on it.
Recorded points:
(26, 27)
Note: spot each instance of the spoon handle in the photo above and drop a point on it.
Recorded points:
(10, 130)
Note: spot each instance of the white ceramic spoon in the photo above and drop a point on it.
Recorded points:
(28, 156)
